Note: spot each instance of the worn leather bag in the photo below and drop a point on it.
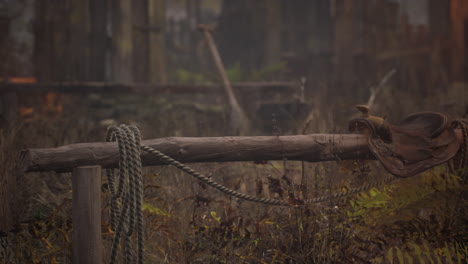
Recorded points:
(419, 142)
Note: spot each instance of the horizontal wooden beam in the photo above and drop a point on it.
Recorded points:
(104, 87)
(311, 148)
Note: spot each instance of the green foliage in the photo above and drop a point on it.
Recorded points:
(235, 73)
(416, 220)
(44, 240)
(390, 215)
(154, 210)
(450, 253)
(185, 76)
(395, 199)
(270, 72)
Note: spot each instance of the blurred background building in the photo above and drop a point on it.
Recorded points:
(345, 44)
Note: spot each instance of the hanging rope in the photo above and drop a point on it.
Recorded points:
(459, 164)
(170, 161)
(126, 187)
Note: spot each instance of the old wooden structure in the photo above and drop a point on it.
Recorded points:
(85, 161)
(345, 45)
(142, 88)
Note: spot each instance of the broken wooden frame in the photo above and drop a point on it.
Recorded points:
(85, 161)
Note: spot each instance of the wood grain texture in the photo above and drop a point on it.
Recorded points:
(86, 211)
(312, 148)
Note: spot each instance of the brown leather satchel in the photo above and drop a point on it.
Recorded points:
(419, 142)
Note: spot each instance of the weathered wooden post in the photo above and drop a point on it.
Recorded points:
(86, 202)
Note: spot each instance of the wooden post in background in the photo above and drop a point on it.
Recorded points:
(86, 209)
(343, 44)
(141, 32)
(273, 32)
(122, 44)
(459, 15)
(79, 39)
(98, 47)
(156, 18)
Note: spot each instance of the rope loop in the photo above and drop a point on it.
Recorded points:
(126, 188)
(292, 202)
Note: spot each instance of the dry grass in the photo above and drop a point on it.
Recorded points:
(417, 219)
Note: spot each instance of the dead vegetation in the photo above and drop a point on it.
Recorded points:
(417, 220)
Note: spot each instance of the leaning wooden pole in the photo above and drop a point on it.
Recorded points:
(239, 121)
(86, 211)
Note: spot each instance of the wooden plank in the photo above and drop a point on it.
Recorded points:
(312, 148)
(108, 87)
(86, 213)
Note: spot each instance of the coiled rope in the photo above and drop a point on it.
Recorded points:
(126, 187)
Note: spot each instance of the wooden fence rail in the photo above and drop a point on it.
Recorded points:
(86, 159)
(142, 88)
(312, 148)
